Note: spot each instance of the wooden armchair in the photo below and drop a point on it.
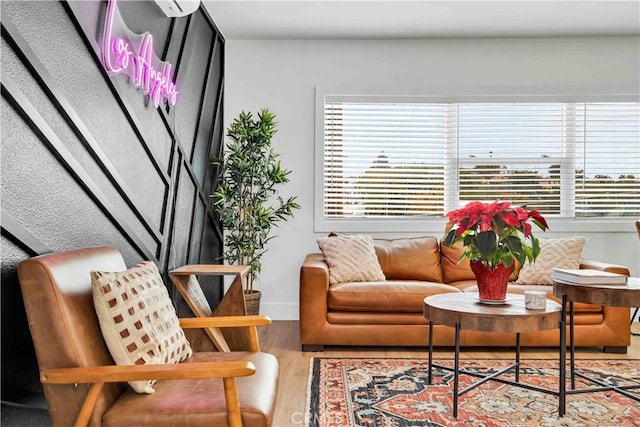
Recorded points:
(82, 384)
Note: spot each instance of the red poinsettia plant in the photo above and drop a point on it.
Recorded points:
(495, 233)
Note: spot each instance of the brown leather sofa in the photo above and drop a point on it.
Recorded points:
(389, 313)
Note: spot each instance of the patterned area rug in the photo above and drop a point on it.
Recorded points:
(349, 392)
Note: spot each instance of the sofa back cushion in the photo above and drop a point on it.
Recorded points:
(416, 258)
(452, 270)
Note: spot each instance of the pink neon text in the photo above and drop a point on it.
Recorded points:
(119, 56)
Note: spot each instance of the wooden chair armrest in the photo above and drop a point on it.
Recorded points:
(210, 269)
(224, 321)
(173, 371)
(97, 376)
(250, 322)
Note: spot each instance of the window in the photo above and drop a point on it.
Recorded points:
(417, 159)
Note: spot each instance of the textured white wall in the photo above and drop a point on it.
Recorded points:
(282, 75)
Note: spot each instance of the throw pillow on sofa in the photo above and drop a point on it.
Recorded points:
(554, 253)
(351, 258)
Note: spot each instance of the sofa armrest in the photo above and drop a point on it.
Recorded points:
(604, 266)
(314, 287)
(615, 318)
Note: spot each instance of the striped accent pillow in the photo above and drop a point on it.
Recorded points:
(138, 320)
(351, 258)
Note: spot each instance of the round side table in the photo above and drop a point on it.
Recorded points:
(618, 295)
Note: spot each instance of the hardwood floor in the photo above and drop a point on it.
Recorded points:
(283, 340)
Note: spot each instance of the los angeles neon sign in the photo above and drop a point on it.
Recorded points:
(133, 55)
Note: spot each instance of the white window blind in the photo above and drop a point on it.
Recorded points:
(608, 160)
(514, 151)
(411, 159)
(384, 159)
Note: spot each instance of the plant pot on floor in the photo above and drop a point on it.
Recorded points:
(252, 302)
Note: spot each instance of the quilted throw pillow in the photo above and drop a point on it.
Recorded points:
(554, 253)
(137, 319)
(351, 258)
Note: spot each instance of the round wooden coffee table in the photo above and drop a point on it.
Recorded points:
(465, 311)
(618, 295)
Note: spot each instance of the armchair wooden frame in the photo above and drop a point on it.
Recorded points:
(97, 376)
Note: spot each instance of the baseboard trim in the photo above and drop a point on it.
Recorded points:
(278, 311)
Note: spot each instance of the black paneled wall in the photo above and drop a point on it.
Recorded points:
(87, 160)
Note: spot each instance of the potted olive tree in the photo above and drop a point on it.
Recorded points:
(246, 196)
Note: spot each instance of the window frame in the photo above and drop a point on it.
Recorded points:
(433, 225)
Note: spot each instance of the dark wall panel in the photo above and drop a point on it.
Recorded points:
(23, 151)
(210, 253)
(39, 192)
(199, 156)
(196, 234)
(194, 65)
(15, 328)
(183, 211)
(87, 160)
(80, 81)
(217, 143)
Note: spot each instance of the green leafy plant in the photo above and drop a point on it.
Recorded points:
(246, 197)
(491, 232)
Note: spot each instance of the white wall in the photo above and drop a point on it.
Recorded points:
(282, 75)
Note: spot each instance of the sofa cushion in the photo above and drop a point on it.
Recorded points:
(415, 258)
(399, 296)
(454, 269)
(350, 258)
(554, 253)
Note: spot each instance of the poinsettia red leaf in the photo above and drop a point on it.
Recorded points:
(511, 218)
(498, 206)
(523, 215)
(527, 229)
(539, 218)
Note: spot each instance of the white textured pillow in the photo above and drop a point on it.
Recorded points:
(138, 320)
(554, 253)
(351, 258)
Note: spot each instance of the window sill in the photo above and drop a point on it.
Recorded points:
(436, 226)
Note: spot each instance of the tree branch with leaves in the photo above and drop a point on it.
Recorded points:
(246, 196)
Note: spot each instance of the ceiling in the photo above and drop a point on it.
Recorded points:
(406, 19)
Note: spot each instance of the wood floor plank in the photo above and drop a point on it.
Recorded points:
(282, 338)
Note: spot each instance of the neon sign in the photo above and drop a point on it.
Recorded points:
(133, 55)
